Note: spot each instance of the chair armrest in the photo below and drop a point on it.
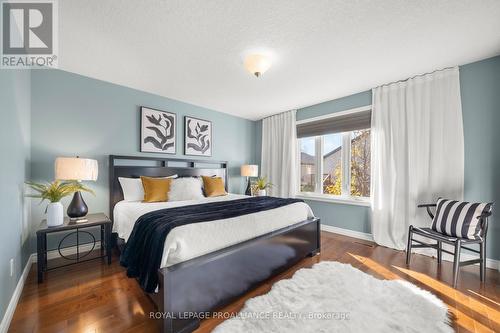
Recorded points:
(483, 219)
(428, 207)
(484, 215)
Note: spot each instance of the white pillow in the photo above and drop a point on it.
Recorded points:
(132, 188)
(188, 188)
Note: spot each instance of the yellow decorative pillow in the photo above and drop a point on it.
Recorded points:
(155, 189)
(214, 186)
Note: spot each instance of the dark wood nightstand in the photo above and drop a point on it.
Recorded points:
(72, 227)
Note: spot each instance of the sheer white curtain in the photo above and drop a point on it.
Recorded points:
(279, 153)
(417, 151)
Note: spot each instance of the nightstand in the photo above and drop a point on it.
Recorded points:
(68, 228)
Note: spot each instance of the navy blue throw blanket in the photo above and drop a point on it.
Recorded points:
(143, 252)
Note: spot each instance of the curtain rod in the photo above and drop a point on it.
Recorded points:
(278, 114)
(414, 76)
(382, 85)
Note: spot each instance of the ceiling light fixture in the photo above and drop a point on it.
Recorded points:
(257, 64)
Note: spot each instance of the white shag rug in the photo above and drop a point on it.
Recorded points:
(336, 297)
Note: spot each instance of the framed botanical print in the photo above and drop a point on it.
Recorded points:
(197, 137)
(158, 130)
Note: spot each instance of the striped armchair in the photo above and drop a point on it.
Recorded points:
(457, 223)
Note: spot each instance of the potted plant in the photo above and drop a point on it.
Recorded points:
(54, 192)
(261, 185)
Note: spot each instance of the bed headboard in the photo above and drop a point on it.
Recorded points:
(136, 166)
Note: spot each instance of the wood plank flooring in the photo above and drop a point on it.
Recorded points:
(95, 297)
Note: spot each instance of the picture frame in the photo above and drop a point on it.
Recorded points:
(158, 131)
(198, 137)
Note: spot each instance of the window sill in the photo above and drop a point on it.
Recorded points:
(333, 199)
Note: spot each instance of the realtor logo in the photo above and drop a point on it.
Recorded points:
(29, 34)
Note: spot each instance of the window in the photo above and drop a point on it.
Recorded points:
(308, 165)
(360, 163)
(336, 163)
(332, 163)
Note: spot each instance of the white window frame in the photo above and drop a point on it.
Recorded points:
(318, 195)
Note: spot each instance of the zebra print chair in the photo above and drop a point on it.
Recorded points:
(458, 224)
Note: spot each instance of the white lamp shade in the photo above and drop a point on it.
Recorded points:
(257, 64)
(75, 168)
(250, 170)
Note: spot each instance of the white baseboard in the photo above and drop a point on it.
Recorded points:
(490, 263)
(11, 308)
(347, 232)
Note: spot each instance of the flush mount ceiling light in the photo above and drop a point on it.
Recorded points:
(257, 64)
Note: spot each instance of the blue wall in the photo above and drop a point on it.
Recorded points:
(480, 92)
(14, 170)
(345, 103)
(76, 115)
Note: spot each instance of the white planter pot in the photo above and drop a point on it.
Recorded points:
(55, 214)
(261, 193)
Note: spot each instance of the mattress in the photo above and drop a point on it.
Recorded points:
(194, 240)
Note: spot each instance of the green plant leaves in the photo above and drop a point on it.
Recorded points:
(56, 190)
(262, 184)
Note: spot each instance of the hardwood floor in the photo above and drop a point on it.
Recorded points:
(95, 297)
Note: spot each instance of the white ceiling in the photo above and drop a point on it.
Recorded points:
(192, 50)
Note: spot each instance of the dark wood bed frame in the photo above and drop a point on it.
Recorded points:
(191, 289)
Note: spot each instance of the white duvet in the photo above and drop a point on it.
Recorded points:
(194, 240)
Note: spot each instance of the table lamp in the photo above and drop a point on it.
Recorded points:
(79, 169)
(249, 170)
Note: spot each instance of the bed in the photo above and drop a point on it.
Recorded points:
(207, 265)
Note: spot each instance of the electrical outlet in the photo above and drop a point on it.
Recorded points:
(12, 267)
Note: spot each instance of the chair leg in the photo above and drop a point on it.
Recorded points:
(456, 263)
(440, 252)
(482, 264)
(408, 247)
